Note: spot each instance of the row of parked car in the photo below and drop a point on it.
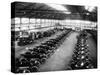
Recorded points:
(34, 57)
(35, 36)
(80, 58)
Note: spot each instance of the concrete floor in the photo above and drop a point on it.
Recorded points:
(60, 59)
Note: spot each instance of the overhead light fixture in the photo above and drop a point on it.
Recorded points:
(59, 7)
(67, 12)
(87, 14)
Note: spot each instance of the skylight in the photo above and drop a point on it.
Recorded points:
(60, 8)
(89, 8)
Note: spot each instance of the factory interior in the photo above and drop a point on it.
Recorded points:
(52, 37)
